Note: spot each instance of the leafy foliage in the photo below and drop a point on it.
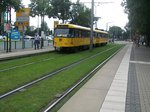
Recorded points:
(62, 9)
(115, 32)
(138, 14)
(59, 9)
(80, 15)
(5, 6)
(39, 7)
(16, 4)
(139, 19)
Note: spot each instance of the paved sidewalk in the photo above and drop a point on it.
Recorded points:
(138, 91)
(24, 52)
(93, 95)
(122, 85)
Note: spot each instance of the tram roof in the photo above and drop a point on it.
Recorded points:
(78, 27)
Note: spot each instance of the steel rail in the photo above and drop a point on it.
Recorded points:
(51, 74)
(79, 82)
(27, 64)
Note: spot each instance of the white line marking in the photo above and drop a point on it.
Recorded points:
(140, 62)
(116, 97)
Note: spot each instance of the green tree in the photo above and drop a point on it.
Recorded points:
(4, 4)
(115, 32)
(44, 26)
(138, 14)
(59, 9)
(39, 8)
(16, 4)
(80, 14)
(29, 32)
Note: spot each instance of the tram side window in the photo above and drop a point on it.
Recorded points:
(80, 33)
(76, 33)
(96, 35)
(88, 33)
(83, 33)
(71, 33)
(104, 35)
(100, 35)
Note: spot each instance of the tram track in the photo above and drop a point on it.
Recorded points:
(51, 74)
(52, 105)
(26, 64)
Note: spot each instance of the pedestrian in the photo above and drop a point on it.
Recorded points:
(36, 41)
(138, 41)
(42, 42)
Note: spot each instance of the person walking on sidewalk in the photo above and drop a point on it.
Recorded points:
(36, 42)
(42, 42)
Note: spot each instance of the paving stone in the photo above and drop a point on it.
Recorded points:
(138, 92)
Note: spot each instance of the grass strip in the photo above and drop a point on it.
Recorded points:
(19, 76)
(35, 98)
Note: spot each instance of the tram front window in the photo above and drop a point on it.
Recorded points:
(61, 32)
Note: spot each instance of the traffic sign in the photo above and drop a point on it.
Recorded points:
(22, 23)
(23, 12)
(7, 26)
(15, 35)
(22, 17)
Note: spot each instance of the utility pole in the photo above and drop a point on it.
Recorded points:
(92, 18)
(108, 24)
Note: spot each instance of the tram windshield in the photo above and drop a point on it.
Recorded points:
(61, 32)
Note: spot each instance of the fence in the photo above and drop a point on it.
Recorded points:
(15, 45)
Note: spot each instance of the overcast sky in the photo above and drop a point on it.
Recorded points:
(111, 13)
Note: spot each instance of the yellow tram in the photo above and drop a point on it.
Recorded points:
(73, 37)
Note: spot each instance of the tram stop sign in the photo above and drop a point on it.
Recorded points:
(15, 35)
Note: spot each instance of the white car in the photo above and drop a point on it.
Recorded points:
(27, 37)
(50, 37)
(1, 37)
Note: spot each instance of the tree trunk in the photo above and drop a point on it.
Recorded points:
(148, 40)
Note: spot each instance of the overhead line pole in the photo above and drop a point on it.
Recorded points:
(98, 2)
(92, 20)
(92, 17)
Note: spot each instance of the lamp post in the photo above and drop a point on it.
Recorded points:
(95, 20)
(38, 25)
(107, 25)
(59, 14)
(92, 18)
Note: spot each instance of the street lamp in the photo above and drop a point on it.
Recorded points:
(107, 25)
(92, 18)
(95, 20)
(59, 14)
(38, 25)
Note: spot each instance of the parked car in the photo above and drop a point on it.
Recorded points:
(27, 37)
(1, 37)
(50, 37)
